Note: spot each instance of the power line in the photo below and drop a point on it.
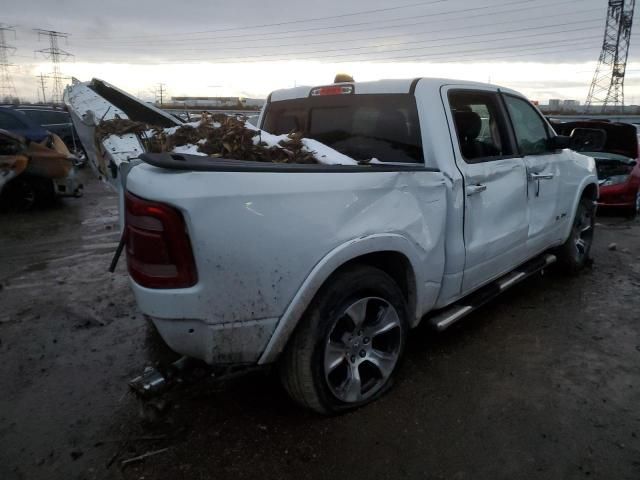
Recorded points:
(261, 36)
(428, 44)
(474, 54)
(55, 53)
(380, 37)
(462, 54)
(7, 88)
(289, 22)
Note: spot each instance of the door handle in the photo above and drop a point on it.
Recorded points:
(473, 189)
(541, 176)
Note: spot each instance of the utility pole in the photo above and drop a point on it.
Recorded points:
(160, 92)
(7, 89)
(55, 54)
(607, 86)
(42, 82)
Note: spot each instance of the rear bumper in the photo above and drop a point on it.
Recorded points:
(217, 344)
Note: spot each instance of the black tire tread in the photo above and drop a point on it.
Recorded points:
(295, 372)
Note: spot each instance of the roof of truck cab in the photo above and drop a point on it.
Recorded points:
(379, 86)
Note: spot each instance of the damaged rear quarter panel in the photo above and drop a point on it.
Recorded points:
(256, 237)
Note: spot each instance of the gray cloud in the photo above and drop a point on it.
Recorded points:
(162, 32)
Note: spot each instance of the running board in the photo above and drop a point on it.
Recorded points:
(457, 311)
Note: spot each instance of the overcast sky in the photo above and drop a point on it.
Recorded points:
(544, 48)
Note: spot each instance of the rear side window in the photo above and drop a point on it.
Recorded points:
(45, 117)
(384, 127)
(530, 129)
(480, 124)
(9, 122)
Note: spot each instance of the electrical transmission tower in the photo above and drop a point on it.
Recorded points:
(7, 89)
(55, 54)
(607, 86)
(161, 90)
(41, 79)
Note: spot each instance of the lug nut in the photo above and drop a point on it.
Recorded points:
(363, 353)
(365, 340)
(353, 358)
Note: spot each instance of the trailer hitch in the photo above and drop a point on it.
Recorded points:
(152, 386)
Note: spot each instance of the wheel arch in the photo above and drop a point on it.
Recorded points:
(588, 189)
(394, 254)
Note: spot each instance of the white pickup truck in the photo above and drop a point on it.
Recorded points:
(325, 269)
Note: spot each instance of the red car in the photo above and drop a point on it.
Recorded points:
(617, 161)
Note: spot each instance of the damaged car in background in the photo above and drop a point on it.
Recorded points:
(35, 173)
(614, 146)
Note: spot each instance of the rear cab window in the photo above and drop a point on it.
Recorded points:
(364, 127)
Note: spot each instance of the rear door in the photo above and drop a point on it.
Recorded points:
(495, 177)
(543, 166)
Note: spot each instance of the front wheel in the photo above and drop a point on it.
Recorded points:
(634, 212)
(574, 253)
(348, 344)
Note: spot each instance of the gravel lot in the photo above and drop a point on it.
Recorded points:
(541, 383)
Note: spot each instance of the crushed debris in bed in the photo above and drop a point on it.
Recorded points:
(224, 136)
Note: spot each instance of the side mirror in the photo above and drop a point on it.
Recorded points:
(588, 139)
(559, 142)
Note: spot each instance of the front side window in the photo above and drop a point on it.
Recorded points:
(480, 125)
(363, 127)
(530, 129)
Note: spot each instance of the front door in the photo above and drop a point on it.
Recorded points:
(496, 217)
(543, 172)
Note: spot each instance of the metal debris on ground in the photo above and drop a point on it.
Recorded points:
(143, 456)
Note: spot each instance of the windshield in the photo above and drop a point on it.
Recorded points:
(364, 127)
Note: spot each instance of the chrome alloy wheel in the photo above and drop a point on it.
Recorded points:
(583, 231)
(362, 349)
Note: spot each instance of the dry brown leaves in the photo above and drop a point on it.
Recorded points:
(218, 136)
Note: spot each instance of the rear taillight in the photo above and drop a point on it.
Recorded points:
(159, 252)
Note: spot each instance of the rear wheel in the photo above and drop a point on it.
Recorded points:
(348, 344)
(26, 191)
(574, 253)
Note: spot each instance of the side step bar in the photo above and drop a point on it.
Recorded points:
(450, 315)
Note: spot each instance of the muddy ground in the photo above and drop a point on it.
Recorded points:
(543, 383)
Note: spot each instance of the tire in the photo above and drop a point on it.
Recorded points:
(25, 192)
(573, 254)
(348, 344)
